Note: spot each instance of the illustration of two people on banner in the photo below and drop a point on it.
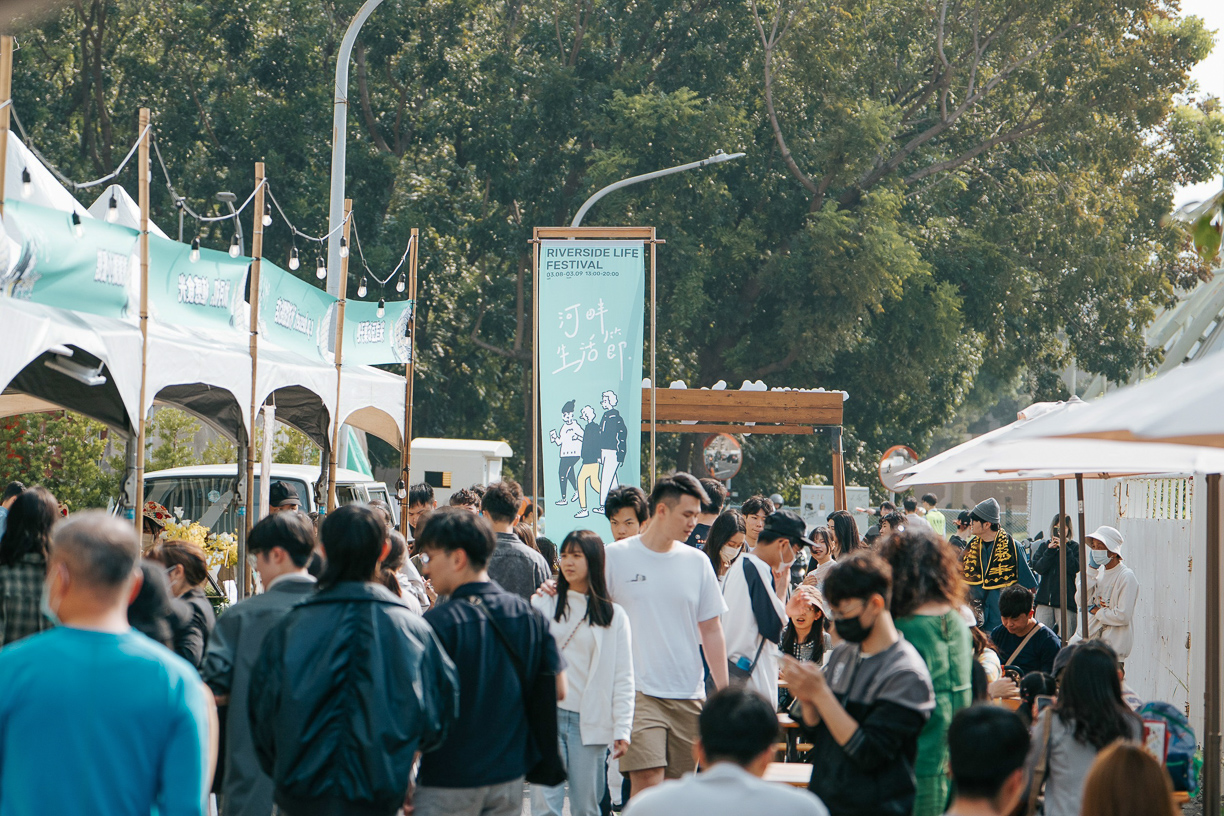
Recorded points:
(591, 453)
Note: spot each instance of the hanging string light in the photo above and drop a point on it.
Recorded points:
(112, 210)
(27, 184)
(195, 249)
(267, 216)
(235, 248)
(294, 262)
(361, 287)
(343, 248)
(382, 307)
(78, 229)
(321, 269)
(401, 283)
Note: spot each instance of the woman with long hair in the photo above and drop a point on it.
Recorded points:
(23, 563)
(823, 559)
(1088, 715)
(1125, 780)
(725, 541)
(804, 637)
(928, 591)
(597, 712)
(187, 571)
(845, 533)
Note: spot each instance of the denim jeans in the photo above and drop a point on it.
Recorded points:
(584, 766)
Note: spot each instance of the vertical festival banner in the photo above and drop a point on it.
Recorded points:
(591, 314)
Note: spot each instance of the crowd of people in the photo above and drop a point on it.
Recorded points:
(474, 665)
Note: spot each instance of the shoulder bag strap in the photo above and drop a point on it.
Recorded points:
(1011, 660)
(1039, 772)
(519, 668)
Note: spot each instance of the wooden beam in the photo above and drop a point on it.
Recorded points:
(829, 400)
(779, 407)
(731, 429)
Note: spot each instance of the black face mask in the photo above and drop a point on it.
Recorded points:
(852, 630)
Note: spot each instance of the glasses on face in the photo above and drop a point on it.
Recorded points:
(424, 556)
(838, 616)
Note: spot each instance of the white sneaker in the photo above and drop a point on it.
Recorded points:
(581, 514)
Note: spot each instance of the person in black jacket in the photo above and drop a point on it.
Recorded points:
(186, 571)
(349, 685)
(1045, 564)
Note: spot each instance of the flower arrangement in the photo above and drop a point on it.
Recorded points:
(221, 548)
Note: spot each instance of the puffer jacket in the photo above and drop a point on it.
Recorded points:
(347, 688)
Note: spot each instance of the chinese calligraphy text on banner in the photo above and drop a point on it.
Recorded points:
(292, 313)
(373, 340)
(592, 303)
(208, 292)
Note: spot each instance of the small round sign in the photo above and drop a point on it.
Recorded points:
(895, 459)
(214, 496)
(723, 456)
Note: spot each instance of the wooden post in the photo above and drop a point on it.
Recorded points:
(331, 462)
(143, 176)
(1083, 573)
(1211, 689)
(1062, 560)
(406, 456)
(654, 386)
(839, 470)
(244, 568)
(6, 99)
(536, 453)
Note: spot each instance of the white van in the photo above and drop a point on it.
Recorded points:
(202, 492)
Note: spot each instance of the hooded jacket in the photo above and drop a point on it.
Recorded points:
(347, 688)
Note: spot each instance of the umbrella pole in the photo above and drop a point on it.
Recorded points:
(246, 581)
(1062, 560)
(1083, 572)
(1211, 702)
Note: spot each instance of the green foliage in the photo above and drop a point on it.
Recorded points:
(292, 447)
(935, 194)
(175, 433)
(61, 451)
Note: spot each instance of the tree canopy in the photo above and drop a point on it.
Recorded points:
(936, 194)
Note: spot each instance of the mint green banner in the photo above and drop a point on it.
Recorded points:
(97, 272)
(293, 314)
(592, 300)
(373, 340)
(207, 293)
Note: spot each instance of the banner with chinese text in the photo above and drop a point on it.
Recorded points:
(373, 340)
(591, 315)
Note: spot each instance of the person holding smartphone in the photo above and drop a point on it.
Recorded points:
(1046, 564)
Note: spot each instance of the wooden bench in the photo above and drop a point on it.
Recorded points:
(797, 774)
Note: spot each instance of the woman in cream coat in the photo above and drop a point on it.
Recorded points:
(597, 712)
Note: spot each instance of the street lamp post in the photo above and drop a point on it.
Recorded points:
(717, 158)
(339, 126)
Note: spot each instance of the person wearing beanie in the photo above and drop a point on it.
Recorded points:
(1113, 591)
(755, 591)
(992, 562)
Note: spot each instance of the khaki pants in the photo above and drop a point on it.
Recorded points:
(588, 474)
(664, 732)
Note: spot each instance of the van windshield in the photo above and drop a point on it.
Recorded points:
(201, 498)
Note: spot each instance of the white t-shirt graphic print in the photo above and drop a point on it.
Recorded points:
(665, 596)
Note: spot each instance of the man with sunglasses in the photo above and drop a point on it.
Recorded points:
(864, 711)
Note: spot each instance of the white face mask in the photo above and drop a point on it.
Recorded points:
(729, 553)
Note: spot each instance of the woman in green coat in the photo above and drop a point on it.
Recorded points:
(928, 591)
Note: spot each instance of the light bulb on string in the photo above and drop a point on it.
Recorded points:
(294, 263)
(343, 248)
(78, 229)
(401, 491)
(235, 248)
(321, 269)
(27, 184)
(382, 307)
(267, 216)
(195, 249)
(361, 287)
(112, 210)
(401, 284)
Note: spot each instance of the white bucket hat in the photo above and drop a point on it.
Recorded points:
(1110, 537)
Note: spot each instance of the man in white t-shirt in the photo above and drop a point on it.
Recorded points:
(671, 596)
(755, 592)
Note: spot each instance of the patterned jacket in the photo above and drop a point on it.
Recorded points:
(21, 586)
(997, 568)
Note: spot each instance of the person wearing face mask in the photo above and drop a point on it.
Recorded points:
(755, 590)
(1113, 591)
(187, 571)
(864, 711)
(725, 542)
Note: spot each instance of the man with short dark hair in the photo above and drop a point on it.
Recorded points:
(513, 565)
(1022, 641)
(420, 501)
(709, 511)
(466, 498)
(279, 548)
(614, 436)
(626, 511)
(932, 515)
(10, 494)
(671, 596)
(914, 518)
(755, 510)
(283, 497)
(96, 717)
(479, 769)
(738, 731)
(892, 523)
(992, 561)
(864, 711)
(960, 538)
(987, 746)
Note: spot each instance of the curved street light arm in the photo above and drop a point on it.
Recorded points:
(715, 159)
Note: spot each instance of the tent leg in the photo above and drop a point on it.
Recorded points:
(1083, 573)
(240, 498)
(839, 469)
(1062, 560)
(1211, 703)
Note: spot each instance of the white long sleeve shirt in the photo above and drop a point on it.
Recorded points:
(740, 626)
(1116, 592)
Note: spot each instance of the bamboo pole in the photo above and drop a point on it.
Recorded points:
(141, 420)
(1083, 573)
(536, 453)
(6, 99)
(654, 385)
(1211, 702)
(1062, 560)
(256, 256)
(406, 456)
(331, 461)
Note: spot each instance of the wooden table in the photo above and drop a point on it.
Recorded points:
(796, 774)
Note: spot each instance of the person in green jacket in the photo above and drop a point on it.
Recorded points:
(928, 590)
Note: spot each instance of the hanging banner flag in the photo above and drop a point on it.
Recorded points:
(592, 302)
(292, 313)
(46, 261)
(373, 340)
(205, 294)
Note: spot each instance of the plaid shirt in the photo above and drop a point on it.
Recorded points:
(21, 586)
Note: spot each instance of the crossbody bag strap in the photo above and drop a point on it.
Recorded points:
(1011, 660)
(1039, 772)
(519, 668)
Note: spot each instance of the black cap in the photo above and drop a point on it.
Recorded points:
(963, 517)
(783, 524)
(281, 493)
(1064, 657)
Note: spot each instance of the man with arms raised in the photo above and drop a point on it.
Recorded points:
(671, 596)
